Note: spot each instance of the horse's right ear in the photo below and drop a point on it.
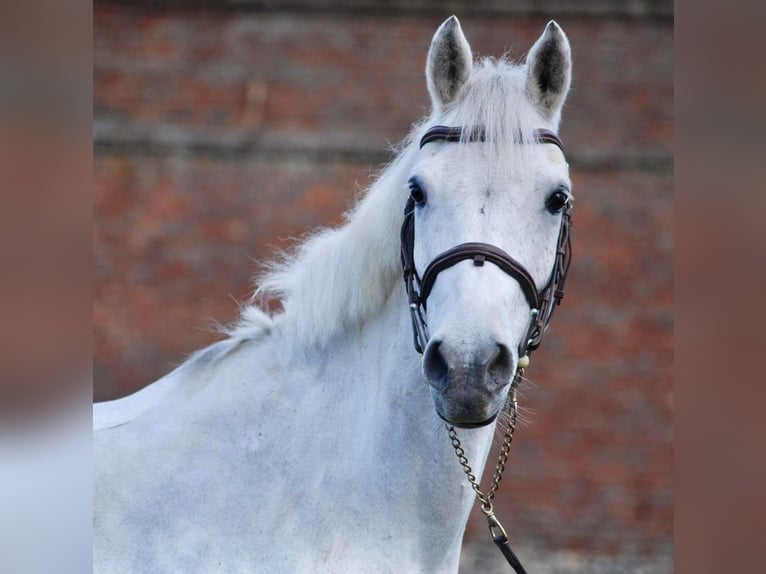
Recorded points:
(449, 63)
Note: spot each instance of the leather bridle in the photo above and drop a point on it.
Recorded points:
(541, 302)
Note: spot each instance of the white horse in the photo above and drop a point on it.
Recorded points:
(313, 440)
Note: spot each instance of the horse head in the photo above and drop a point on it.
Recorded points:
(489, 199)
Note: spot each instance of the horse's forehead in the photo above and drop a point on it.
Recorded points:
(481, 164)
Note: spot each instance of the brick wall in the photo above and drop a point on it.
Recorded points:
(220, 133)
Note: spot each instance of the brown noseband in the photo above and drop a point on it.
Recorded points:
(541, 302)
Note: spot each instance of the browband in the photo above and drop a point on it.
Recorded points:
(477, 134)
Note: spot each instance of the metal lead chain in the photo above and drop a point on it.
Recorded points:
(496, 530)
(486, 499)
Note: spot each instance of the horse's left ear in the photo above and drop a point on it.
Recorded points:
(549, 70)
(449, 63)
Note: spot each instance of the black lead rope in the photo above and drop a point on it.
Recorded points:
(507, 551)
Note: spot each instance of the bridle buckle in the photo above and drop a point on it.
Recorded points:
(419, 328)
(530, 335)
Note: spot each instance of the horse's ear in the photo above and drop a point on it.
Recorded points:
(449, 63)
(549, 70)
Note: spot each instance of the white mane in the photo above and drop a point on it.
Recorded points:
(339, 277)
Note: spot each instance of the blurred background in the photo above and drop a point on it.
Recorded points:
(224, 129)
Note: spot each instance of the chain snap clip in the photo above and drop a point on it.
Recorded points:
(496, 530)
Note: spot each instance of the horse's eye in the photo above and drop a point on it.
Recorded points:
(556, 201)
(416, 192)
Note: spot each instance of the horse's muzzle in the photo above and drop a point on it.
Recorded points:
(468, 388)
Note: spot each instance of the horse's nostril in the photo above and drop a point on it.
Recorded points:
(501, 365)
(434, 365)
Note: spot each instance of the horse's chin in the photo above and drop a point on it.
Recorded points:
(468, 424)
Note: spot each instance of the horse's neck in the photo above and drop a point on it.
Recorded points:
(396, 440)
